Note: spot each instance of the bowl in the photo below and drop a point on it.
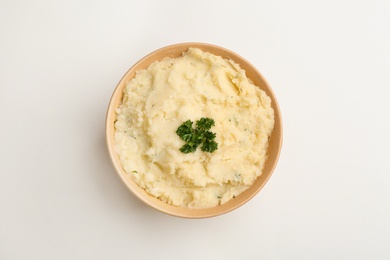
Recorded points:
(275, 141)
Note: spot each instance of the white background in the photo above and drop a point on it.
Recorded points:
(328, 63)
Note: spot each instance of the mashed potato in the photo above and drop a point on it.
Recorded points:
(197, 84)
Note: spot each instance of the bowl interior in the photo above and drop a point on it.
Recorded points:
(273, 150)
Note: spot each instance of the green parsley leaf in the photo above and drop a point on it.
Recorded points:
(205, 123)
(208, 135)
(209, 146)
(185, 131)
(187, 148)
(199, 135)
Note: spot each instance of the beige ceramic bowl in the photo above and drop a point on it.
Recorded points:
(274, 147)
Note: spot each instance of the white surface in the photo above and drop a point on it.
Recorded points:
(328, 63)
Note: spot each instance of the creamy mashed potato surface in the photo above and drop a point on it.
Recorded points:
(197, 84)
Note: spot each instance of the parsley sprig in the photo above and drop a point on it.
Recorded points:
(197, 136)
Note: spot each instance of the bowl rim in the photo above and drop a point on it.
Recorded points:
(193, 213)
